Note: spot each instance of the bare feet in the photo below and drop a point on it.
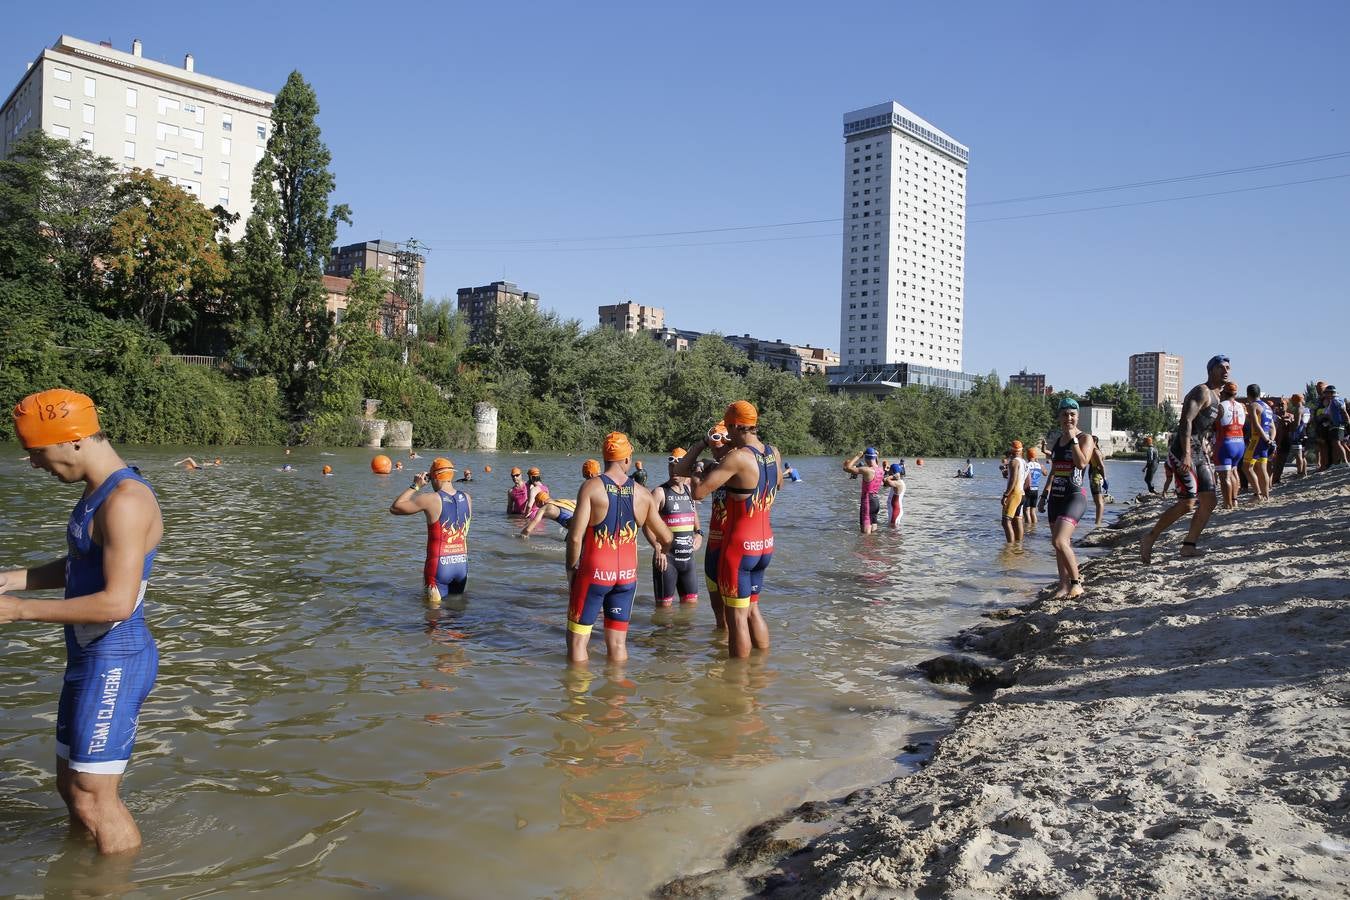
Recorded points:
(1075, 592)
(1188, 550)
(1146, 548)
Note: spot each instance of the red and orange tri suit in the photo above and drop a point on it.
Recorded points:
(606, 578)
(747, 535)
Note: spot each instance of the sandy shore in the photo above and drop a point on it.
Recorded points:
(1181, 731)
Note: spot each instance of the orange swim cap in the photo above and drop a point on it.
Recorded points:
(677, 453)
(1031, 453)
(52, 417)
(487, 470)
(515, 470)
(617, 446)
(328, 470)
(719, 429)
(1017, 445)
(590, 468)
(541, 498)
(534, 472)
(441, 464)
(742, 412)
(381, 465)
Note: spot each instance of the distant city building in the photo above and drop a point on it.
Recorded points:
(798, 359)
(1096, 419)
(204, 134)
(632, 317)
(379, 255)
(1032, 382)
(902, 293)
(1158, 377)
(392, 322)
(479, 306)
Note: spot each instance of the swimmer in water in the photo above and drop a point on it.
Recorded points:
(895, 480)
(1191, 460)
(448, 512)
(675, 572)
(791, 474)
(536, 485)
(467, 477)
(639, 473)
(548, 508)
(327, 470)
(287, 468)
(602, 551)
(750, 475)
(1012, 494)
(189, 463)
(111, 658)
(871, 474)
(518, 494)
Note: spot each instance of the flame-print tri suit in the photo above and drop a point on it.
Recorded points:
(606, 575)
(747, 535)
(447, 565)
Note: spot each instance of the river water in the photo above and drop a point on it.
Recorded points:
(315, 730)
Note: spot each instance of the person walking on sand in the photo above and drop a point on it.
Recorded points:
(448, 512)
(1299, 418)
(871, 474)
(1012, 495)
(602, 551)
(1150, 464)
(1064, 500)
(111, 657)
(1190, 456)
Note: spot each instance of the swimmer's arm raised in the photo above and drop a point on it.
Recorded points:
(409, 503)
(705, 485)
(684, 466)
(126, 524)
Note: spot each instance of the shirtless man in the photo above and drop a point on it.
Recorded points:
(1191, 458)
(111, 657)
(602, 551)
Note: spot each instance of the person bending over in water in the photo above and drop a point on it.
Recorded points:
(1190, 457)
(111, 657)
(602, 551)
(448, 512)
(871, 474)
(548, 508)
(1064, 500)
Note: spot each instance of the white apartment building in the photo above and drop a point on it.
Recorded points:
(202, 133)
(902, 289)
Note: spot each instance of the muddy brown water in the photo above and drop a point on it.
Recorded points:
(316, 731)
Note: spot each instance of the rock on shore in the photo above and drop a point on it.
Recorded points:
(1180, 731)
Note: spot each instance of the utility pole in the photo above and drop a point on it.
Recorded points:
(409, 260)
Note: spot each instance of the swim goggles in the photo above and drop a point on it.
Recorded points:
(673, 459)
(716, 437)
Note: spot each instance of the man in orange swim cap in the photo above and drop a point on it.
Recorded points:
(448, 512)
(590, 468)
(750, 475)
(602, 551)
(111, 658)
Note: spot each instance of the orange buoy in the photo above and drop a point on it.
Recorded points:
(919, 461)
(381, 465)
(487, 470)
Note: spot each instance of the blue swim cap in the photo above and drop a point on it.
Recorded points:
(1068, 403)
(870, 452)
(895, 468)
(1215, 360)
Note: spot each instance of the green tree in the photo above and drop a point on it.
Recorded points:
(278, 278)
(166, 269)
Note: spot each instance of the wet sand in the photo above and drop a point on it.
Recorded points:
(1180, 731)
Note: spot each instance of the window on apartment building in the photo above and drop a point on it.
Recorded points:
(131, 97)
(262, 132)
(194, 161)
(225, 146)
(224, 171)
(258, 152)
(198, 112)
(89, 86)
(89, 114)
(164, 104)
(61, 74)
(61, 102)
(195, 136)
(61, 131)
(87, 140)
(165, 130)
(224, 195)
(129, 124)
(226, 122)
(192, 187)
(129, 149)
(163, 156)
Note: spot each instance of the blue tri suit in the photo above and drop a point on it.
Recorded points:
(110, 667)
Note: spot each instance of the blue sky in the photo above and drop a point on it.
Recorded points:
(479, 129)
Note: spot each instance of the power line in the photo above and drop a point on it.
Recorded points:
(1261, 167)
(836, 234)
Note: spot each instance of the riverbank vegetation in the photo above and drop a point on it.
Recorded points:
(123, 285)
